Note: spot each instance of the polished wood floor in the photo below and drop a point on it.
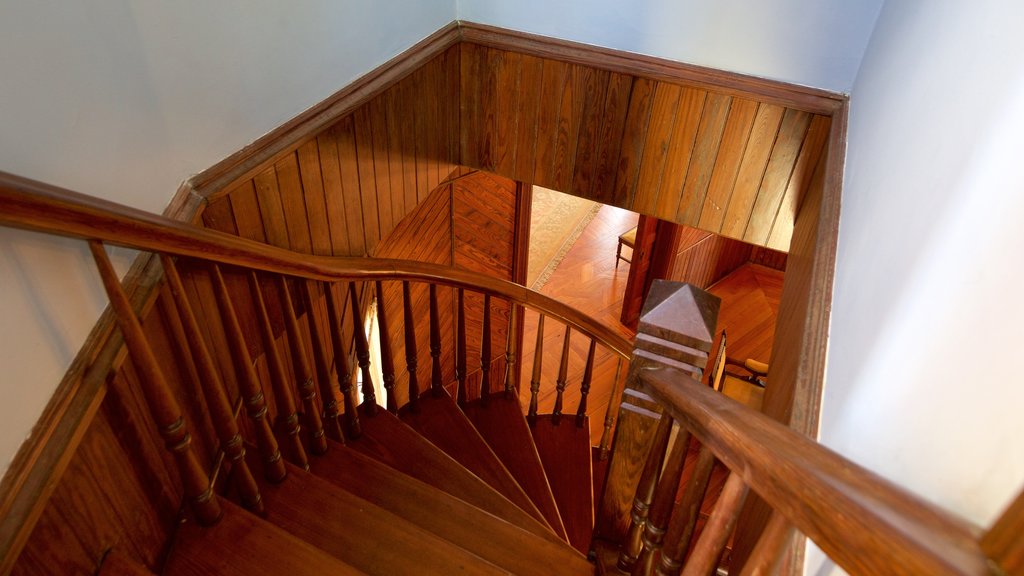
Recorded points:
(588, 279)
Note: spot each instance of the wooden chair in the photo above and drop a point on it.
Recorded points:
(627, 238)
(745, 388)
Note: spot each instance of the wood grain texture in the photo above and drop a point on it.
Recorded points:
(564, 449)
(491, 538)
(863, 522)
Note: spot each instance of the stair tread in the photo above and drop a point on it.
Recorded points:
(440, 420)
(463, 524)
(362, 534)
(117, 564)
(244, 545)
(564, 449)
(387, 439)
(501, 423)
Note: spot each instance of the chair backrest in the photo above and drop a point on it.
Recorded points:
(718, 368)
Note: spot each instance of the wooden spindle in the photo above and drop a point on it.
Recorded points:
(538, 361)
(286, 413)
(563, 376)
(387, 359)
(323, 362)
(303, 372)
(485, 351)
(644, 494)
(410, 347)
(162, 405)
(460, 349)
(605, 445)
(362, 353)
(511, 345)
(708, 550)
(343, 365)
(774, 540)
(217, 403)
(248, 383)
(436, 386)
(588, 375)
(661, 506)
(684, 518)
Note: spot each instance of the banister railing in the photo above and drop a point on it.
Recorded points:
(864, 523)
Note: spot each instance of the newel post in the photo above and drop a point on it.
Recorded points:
(676, 328)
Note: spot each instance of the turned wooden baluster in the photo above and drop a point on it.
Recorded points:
(661, 507)
(221, 413)
(644, 494)
(708, 550)
(362, 353)
(410, 347)
(322, 362)
(511, 343)
(460, 349)
(684, 517)
(279, 378)
(303, 372)
(563, 375)
(767, 552)
(248, 383)
(387, 359)
(485, 351)
(436, 386)
(343, 366)
(605, 446)
(588, 374)
(538, 360)
(162, 405)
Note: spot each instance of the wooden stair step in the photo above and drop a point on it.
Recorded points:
(463, 524)
(564, 449)
(439, 420)
(244, 545)
(360, 533)
(500, 421)
(387, 439)
(116, 563)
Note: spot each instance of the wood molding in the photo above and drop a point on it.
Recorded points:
(790, 95)
(285, 138)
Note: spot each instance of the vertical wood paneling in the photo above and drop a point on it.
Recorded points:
(593, 90)
(702, 160)
(246, 210)
(680, 150)
(723, 178)
(811, 154)
(613, 124)
(314, 198)
(503, 122)
(531, 76)
(652, 166)
(553, 79)
(631, 154)
(271, 211)
(293, 204)
(367, 174)
(334, 196)
(352, 186)
(776, 177)
(752, 169)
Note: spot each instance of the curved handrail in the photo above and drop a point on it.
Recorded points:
(863, 522)
(33, 205)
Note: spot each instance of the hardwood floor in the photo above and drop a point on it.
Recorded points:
(588, 279)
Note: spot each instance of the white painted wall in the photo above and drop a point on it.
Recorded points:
(811, 42)
(923, 381)
(125, 99)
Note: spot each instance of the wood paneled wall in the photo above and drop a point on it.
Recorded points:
(691, 155)
(703, 258)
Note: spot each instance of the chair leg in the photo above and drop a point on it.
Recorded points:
(618, 254)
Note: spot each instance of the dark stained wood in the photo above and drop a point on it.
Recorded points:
(563, 370)
(386, 439)
(387, 356)
(217, 403)
(684, 517)
(227, 549)
(662, 504)
(411, 360)
(645, 488)
(863, 522)
(320, 341)
(303, 373)
(709, 547)
(501, 423)
(360, 533)
(765, 557)
(585, 384)
(362, 353)
(486, 535)
(436, 380)
(117, 564)
(163, 406)
(564, 449)
(538, 368)
(1002, 542)
(248, 383)
(440, 421)
(460, 347)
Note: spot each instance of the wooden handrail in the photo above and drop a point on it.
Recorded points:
(863, 522)
(33, 205)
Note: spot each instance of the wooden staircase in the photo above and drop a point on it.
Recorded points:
(409, 497)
